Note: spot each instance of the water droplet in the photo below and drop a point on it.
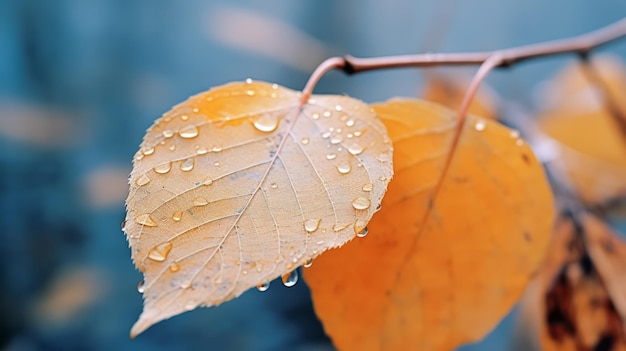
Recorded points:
(177, 216)
(368, 187)
(187, 165)
(514, 134)
(362, 233)
(185, 285)
(290, 279)
(190, 305)
(200, 201)
(338, 108)
(275, 86)
(335, 140)
(355, 149)
(315, 116)
(308, 263)
(480, 125)
(172, 147)
(195, 110)
(327, 114)
(248, 80)
(160, 252)
(350, 123)
(216, 163)
(326, 135)
(338, 227)
(168, 133)
(304, 140)
(174, 267)
(250, 92)
(142, 180)
(519, 142)
(311, 225)
(146, 220)
(163, 168)
(148, 151)
(279, 258)
(139, 156)
(361, 203)
(266, 123)
(207, 181)
(331, 156)
(263, 287)
(344, 167)
(184, 117)
(312, 101)
(273, 185)
(140, 287)
(202, 151)
(216, 149)
(188, 132)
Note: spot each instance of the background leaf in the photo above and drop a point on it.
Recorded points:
(435, 280)
(238, 185)
(577, 302)
(592, 151)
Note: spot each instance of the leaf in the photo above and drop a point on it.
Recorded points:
(592, 151)
(578, 300)
(449, 91)
(238, 185)
(432, 280)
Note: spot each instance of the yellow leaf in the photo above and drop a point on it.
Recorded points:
(435, 279)
(592, 152)
(238, 185)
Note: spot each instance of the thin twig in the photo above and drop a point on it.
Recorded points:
(581, 45)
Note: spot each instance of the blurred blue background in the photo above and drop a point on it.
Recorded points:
(80, 81)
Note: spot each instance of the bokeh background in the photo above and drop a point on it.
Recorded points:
(80, 81)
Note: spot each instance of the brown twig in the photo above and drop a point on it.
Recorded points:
(581, 44)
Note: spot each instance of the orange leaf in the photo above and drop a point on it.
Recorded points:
(432, 280)
(239, 185)
(592, 152)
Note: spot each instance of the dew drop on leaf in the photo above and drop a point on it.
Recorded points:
(361, 203)
(146, 220)
(290, 279)
(160, 252)
(200, 201)
(142, 180)
(344, 167)
(163, 168)
(188, 132)
(174, 267)
(355, 149)
(311, 225)
(263, 287)
(362, 233)
(140, 287)
(187, 165)
(266, 123)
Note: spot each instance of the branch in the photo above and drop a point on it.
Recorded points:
(580, 45)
